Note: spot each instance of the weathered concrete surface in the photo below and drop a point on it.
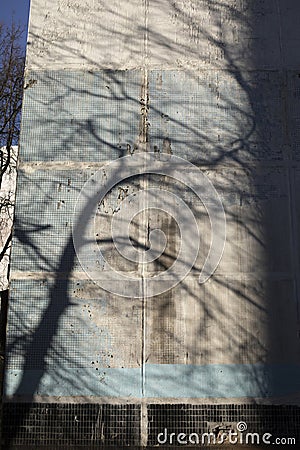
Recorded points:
(217, 84)
(161, 33)
(227, 119)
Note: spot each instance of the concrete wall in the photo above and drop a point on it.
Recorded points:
(218, 85)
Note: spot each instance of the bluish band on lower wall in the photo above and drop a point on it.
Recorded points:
(161, 381)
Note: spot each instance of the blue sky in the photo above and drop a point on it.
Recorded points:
(19, 9)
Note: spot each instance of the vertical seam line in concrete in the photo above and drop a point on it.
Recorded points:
(144, 138)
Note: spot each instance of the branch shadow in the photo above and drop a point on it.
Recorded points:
(225, 119)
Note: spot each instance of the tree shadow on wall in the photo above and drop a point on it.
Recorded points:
(220, 108)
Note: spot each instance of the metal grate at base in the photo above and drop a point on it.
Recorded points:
(168, 421)
(70, 426)
(90, 426)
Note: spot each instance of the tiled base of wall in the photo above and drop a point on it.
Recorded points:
(88, 426)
